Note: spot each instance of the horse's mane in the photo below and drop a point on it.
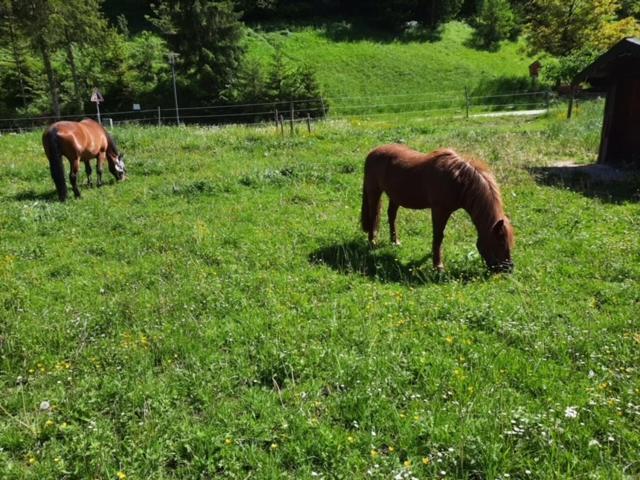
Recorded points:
(480, 188)
(111, 144)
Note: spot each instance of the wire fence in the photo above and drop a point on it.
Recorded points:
(452, 103)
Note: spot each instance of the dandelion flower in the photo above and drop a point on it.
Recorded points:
(228, 441)
(121, 475)
(374, 453)
(274, 446)
(407, 463)
(426, 460)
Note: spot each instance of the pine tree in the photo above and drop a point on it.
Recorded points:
(206, 34)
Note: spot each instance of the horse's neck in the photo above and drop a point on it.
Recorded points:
(484, 212)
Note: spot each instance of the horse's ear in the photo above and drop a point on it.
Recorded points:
(499, 226)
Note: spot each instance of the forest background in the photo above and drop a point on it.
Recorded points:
(54, 52)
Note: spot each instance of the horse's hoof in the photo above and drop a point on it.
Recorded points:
(396, 243)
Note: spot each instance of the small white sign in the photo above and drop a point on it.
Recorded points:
(136, 106)
(96, 96)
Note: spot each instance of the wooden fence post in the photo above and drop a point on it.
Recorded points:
(324, 110)
(159, 118)
(292, 113)
(571, 97)
(547, 100)
(282, 125)
(309, 122)
(276, 120)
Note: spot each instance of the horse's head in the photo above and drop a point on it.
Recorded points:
(117, 167)
(495, 246)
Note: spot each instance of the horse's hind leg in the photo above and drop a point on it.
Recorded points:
(73, 176)
(373, 204)
(87, 169)
(99, 162)
(392, 212)
(439, 218)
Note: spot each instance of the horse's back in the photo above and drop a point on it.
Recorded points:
(84, 139)
(410, 178)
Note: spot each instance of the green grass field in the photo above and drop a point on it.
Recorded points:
(220, 315)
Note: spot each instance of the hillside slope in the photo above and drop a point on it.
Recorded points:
(348, 64)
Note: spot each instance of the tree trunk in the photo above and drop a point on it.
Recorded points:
(51, 76)
(77, 91)
(17, 59)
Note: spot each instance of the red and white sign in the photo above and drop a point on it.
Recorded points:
(96, 96)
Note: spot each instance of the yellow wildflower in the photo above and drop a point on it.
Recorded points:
(407, 463)
(121, 475)
(426, 460)
(228, 441)
(374, 453)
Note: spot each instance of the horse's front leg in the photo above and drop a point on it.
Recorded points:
(73, 176)
(439, 218)
(87, 169)
(99, 162)
(392, 212)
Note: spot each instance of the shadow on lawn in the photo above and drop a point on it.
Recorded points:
(356, 257)
(599, 181)
(32, 195)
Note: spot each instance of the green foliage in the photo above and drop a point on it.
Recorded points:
(206, 34)
(562, 70)
(561, 27)
(496, 22)
(220, 315)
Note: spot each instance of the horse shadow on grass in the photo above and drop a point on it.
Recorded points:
(356, 257)
(608, 184)
(33, 196)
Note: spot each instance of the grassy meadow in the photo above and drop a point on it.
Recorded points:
(360, 70)
(220, 315)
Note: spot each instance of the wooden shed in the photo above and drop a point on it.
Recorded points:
(617, 72)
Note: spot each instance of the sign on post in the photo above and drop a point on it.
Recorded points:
(97, 98)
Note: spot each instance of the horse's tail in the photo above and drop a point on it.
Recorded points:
(56, 164)
(369, 217)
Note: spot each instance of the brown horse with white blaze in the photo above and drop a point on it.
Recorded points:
(80, 141)
(444, 182)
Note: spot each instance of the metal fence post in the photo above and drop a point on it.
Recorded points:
(466, 99)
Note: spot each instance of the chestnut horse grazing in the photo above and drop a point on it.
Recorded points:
(80, 141)
(444, 182)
